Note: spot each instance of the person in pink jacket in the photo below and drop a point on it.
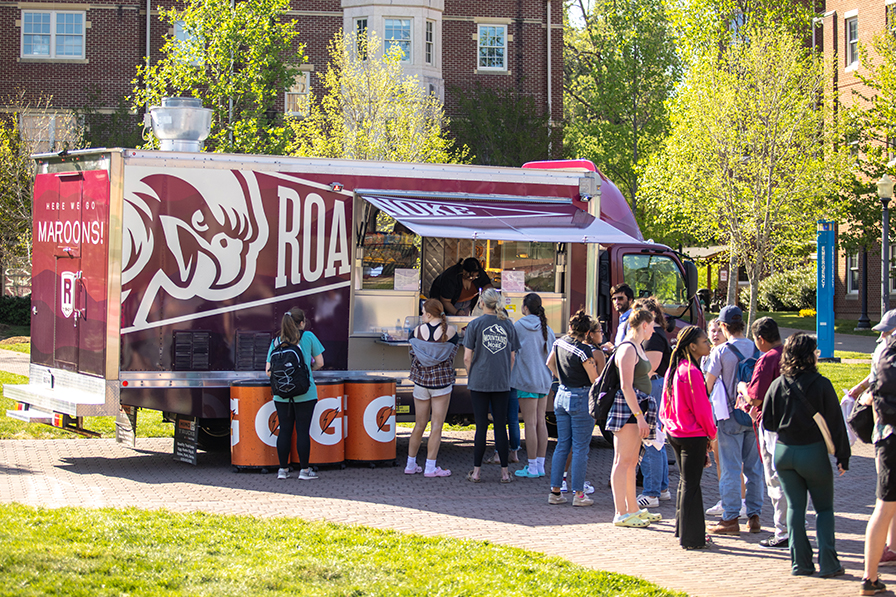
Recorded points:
(687, 415)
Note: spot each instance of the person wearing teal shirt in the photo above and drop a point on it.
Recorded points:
(297, 412)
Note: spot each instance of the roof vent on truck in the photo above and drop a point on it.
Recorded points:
(180, 123)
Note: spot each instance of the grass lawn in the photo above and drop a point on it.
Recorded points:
(149, 422)
(792, 319)
(24, 347)
(73, 551)
(843, 376)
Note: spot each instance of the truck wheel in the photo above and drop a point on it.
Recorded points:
(214, 436)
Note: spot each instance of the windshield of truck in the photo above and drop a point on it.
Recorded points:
(659, 276)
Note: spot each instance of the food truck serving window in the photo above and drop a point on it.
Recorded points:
(659, 276)
(391, 253)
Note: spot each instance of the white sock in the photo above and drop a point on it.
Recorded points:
(430, 466)
(539, 462)
(412, 464)
(533, 466)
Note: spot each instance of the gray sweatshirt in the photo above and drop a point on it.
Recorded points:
(530, 373)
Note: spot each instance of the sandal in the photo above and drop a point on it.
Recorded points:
(506, 479)
(495, 459)
(439, 472)
(632, 521)
(473, 479)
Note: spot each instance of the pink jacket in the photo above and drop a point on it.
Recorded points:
(688, 412)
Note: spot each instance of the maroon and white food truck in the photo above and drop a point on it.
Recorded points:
(160, 277)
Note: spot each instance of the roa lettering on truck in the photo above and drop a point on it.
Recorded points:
(159, 278)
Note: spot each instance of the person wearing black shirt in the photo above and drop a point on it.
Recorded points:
(459, 285)
(801, 456)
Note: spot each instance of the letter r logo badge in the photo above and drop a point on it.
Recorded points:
(67, 293)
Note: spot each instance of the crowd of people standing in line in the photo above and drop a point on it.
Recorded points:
(761, 409)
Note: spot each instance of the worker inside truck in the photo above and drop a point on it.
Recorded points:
(459, 285)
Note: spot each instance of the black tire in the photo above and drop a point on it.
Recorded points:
(214, 435)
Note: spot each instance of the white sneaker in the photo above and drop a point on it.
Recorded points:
(306, 474)
(743, 509)
(589, 488)
(716, 510)
(283, 473)
(665, 496)
(563, 487)
(647, 501)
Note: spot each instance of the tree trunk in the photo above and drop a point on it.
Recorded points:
(732, 280)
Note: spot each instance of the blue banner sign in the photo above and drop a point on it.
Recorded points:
(824, 319)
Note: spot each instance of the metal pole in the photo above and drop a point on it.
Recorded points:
(885, 258)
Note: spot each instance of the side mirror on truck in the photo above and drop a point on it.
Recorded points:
(690, 271)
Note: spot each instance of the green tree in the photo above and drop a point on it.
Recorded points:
(239, 58)
(870, 131)
(506, 128)
(16, 192)
(746, 161)
(619, 70)
(370, 110)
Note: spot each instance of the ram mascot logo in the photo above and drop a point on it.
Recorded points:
(212, 226)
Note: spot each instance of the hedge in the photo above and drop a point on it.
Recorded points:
(15, 310)
(789, 290)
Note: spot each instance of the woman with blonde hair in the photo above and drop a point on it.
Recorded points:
(490, 347)
(433, 348)
(296, 413)
(531, 380)
(632, 418)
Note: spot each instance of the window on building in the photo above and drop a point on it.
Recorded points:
(736, 26)
(49, 131)
(890, 18)
(361, 34)
(852, 41)
(852, 273)
(298, 96)
(492, 47)
(398, 33)
(52, 34)
(892, 268)
(186, 42)
(430, 42)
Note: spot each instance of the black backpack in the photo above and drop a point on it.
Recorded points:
(290, 376)
(884, 386)
(603, 392)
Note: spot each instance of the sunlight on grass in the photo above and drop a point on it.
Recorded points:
(73, 551)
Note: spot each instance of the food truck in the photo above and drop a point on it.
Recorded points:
(160, 277)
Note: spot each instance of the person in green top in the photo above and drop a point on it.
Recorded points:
(297, 412)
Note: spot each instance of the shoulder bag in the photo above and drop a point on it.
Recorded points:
(819, 420)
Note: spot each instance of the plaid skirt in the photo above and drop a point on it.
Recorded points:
(620, 413)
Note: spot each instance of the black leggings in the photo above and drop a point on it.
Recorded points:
(690, 525)
(498, 403)
(294, 415)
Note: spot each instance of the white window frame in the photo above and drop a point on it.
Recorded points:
(852, 266)
(49, 131)
(182, 40)
(429, 50)
(53, 34)
(850, 27)
(361, 27)
(391, 41)
(479, 47)
(297, 98)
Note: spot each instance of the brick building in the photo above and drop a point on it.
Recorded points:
(845, 25)
(86, 52)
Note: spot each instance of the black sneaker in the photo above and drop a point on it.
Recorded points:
(772, 543)
(872, 587)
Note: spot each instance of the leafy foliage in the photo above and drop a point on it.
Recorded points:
(870, 124)
(239, 59)
(15, 310)
(746, 163)
(371, 110)
(619, 71)
(790, 290)
(16, 189)
(121, 128)
(505, 128)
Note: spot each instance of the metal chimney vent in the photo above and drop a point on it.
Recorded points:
(180, 123)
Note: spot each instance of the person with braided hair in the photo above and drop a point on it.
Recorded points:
(687, 415)
(531, 380)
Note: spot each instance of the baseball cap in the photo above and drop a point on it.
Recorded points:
(887, 322)
(733, 314)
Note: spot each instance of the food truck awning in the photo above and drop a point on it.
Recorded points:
(510, 220)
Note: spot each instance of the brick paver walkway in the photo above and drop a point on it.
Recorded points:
(95, 473)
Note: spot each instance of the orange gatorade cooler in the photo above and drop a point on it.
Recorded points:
(253, 425)
(327, 425)
(370, 419)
